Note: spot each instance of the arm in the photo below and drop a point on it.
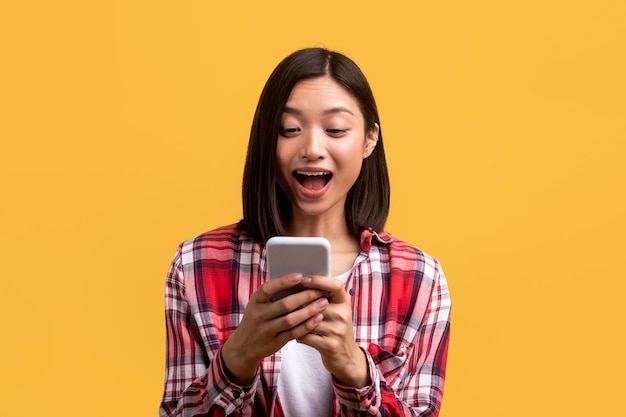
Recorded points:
(224, 381)
(408, 383)
(194, 385)
(416, 387)
(422, 375)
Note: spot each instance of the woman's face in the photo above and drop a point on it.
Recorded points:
(321, 147)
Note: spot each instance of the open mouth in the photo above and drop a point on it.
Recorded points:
(313, 180)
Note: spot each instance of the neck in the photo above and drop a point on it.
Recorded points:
(344, 246)
(334, 229)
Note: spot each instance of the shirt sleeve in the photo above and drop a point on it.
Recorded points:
(411, 385)
(194, 385)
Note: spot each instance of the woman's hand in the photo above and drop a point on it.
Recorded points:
(266, 326)
(334, 336)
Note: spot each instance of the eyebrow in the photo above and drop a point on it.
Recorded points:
(334, 110)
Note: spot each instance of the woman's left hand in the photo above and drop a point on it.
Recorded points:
(334, 336)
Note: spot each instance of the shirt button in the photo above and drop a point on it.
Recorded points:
(351, 291)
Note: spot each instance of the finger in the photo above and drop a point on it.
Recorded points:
(300, 322)
(312, 339)
(317, 340)
(276, 285)
(294, 302)
(333, 287)
(300, 331)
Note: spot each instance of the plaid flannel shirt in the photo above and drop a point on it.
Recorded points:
(401, 313)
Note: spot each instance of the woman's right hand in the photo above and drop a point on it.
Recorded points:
(267, 325)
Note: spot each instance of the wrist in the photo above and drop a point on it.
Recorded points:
(238, 369)
(355, 374)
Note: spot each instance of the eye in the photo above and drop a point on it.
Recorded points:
(336, 132)
(288, 131)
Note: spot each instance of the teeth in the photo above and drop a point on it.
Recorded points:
(312, 174)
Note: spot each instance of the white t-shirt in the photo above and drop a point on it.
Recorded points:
(305, 387)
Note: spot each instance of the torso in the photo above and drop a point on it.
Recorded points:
(218, 272)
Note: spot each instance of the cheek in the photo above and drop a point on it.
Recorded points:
(356, 163)
(349, 170)
(281, 155)
(350, 155)
(282, 162)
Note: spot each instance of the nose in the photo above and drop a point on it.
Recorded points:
(313, 145)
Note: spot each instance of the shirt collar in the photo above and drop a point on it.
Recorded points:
(370, 236)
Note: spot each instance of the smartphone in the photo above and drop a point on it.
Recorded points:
(306, 255)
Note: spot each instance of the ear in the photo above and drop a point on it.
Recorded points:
(371, 139)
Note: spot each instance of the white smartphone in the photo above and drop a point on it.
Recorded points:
(306, 255)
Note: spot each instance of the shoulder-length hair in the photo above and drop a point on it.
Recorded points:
(266, 208)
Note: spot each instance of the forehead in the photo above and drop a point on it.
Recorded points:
(320, 94)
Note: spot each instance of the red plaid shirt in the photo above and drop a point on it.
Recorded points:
(401, 311)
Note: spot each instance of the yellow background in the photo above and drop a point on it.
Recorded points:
(124, 126)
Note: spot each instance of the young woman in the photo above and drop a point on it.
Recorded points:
(369, 340)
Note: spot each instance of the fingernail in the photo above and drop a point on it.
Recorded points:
(306, 280)
(296, 278)
(322, 302)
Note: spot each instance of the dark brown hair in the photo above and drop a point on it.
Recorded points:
(266, 208)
